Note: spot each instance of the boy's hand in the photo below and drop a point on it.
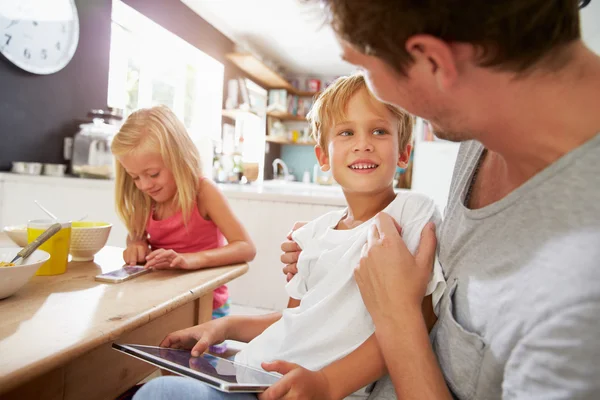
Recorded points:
(136, 252)
(167, 259)
(199, 337)
(297, 383)
(291, 252)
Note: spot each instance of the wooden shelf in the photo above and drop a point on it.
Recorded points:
(264, 75)
(284, 116)
(233, 114)
(303, 93)
(279, 140)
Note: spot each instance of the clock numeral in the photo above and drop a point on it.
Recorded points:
(44, 54)
(64, 28)
(35, 23)
(8, 37)
(27, 54)
(57, 45)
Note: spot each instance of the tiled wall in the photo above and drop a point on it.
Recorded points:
(299, 159)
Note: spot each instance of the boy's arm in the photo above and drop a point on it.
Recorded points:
(244, 328)
(336, 381)
(341, 378)
(358, 369)
(293, 303)
(238, 327)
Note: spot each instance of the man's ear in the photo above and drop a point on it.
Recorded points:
(404, 157)
(322, 158)
(434, 57)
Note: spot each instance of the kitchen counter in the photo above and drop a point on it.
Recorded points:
(294, 192)
(267, 211)
(56, 332)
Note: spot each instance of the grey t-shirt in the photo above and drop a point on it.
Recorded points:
(521, 316)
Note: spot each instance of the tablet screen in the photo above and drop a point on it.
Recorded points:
(226, 371)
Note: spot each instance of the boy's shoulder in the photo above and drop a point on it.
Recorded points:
(410, 206)
(317, 226)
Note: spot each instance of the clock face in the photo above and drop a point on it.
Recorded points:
(39, 36)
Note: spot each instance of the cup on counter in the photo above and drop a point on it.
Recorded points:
(57, 246)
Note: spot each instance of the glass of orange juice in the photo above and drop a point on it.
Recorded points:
(57, 246)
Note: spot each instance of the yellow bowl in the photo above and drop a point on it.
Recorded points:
(14, 278)
(87, 238)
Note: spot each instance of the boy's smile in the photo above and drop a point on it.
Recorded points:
(363, 166)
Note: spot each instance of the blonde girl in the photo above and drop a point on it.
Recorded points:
(174, 216)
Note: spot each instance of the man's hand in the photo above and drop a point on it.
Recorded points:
(389, 277)
(297, 383)
(291, 253)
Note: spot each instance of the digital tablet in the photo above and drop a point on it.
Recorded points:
(220, 373)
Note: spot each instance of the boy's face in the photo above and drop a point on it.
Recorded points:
(362, 150)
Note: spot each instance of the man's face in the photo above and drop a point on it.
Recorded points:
(418, 92)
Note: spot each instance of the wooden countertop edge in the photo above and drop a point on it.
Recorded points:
(17, 377)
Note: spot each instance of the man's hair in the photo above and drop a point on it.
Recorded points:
(330, 108)
(510, 35)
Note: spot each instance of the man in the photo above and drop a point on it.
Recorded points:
(520, 243)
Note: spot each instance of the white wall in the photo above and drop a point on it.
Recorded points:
(590, 23)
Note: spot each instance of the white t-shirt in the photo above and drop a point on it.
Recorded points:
(332, 320)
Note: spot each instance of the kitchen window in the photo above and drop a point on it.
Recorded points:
(150, 65)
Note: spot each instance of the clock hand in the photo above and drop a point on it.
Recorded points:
(13, 22)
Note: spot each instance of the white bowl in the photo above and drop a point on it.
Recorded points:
(17, 233)
(14, 278)
(87, 238)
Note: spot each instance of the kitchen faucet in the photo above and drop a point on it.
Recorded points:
(286, 172)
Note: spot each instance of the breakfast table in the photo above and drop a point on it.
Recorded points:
(57, 331)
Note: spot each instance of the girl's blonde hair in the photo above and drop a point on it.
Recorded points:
(330, 108)
(157, 130)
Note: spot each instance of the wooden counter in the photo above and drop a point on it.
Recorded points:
(56, 332)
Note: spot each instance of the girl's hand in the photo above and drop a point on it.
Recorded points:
(136, 252)
(167, 259)
(199, 337)
(297, 383)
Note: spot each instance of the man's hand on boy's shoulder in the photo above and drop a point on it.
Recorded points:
(291, 252)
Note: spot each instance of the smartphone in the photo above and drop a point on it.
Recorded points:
(125, 273)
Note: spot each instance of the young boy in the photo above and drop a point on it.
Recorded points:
(328, 329)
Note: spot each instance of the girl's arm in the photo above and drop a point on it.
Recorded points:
(239, 248)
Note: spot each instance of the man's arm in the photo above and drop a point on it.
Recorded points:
(410, 360)
(393, 283)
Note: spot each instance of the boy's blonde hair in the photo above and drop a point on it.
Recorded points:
(157, 130)
(330, 108)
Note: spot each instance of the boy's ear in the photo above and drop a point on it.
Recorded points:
(322, 158)
(404, 157)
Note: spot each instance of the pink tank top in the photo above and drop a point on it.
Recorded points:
(199, 234)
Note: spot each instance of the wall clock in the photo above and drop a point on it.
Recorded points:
(39, 36)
